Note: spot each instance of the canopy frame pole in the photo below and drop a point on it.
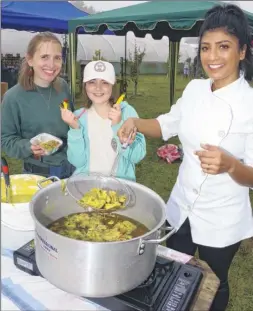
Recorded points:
(173, 60)
(72, 56)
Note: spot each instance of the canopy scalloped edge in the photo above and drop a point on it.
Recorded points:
(148, 27)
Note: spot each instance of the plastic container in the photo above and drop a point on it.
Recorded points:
(43, 138)
(17, 225)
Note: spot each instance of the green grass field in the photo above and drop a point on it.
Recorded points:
(156, 174)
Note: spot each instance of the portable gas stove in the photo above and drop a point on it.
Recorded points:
(171, 286)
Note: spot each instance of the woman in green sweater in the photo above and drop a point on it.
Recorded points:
(32, 107)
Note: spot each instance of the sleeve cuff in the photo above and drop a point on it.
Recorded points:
(160, 120)
(27, 148)
(166, 127)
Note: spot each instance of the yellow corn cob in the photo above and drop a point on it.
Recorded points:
(120, 99)
(64, 104)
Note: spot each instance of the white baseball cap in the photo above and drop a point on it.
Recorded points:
(99, 70)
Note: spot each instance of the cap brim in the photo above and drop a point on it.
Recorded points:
(96, 77)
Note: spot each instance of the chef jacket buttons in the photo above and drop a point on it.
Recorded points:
(221, 133)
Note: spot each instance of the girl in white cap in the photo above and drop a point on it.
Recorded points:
(92, 139)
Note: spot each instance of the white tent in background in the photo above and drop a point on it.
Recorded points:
(112, 47)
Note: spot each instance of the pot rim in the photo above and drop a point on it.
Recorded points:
(64, 238)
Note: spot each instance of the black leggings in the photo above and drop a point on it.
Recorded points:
(219, 260)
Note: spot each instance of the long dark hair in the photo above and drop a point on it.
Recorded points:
(233, 20)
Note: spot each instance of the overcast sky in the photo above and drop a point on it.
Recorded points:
(110, 5)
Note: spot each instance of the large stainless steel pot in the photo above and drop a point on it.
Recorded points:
(96, 269)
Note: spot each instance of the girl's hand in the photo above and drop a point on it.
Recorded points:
(214, 160)
(115, 114)
(69, 118)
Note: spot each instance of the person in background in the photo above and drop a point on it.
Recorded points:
(186, 69)
(93, 143)
(32, 107)
(209, 204)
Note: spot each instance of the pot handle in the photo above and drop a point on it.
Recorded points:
(52, 178)
(172, 230)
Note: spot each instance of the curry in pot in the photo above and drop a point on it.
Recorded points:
(96, 227)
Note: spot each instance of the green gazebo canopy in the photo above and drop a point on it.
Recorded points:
(174, 19)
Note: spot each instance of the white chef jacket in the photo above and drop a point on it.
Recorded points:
(218, 208)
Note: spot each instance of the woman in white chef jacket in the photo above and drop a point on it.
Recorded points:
(209, 204)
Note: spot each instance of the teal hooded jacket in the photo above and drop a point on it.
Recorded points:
(78, 151)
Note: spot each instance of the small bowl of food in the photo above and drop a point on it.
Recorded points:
(48, 142)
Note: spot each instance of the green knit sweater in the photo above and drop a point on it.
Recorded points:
(26, 114)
